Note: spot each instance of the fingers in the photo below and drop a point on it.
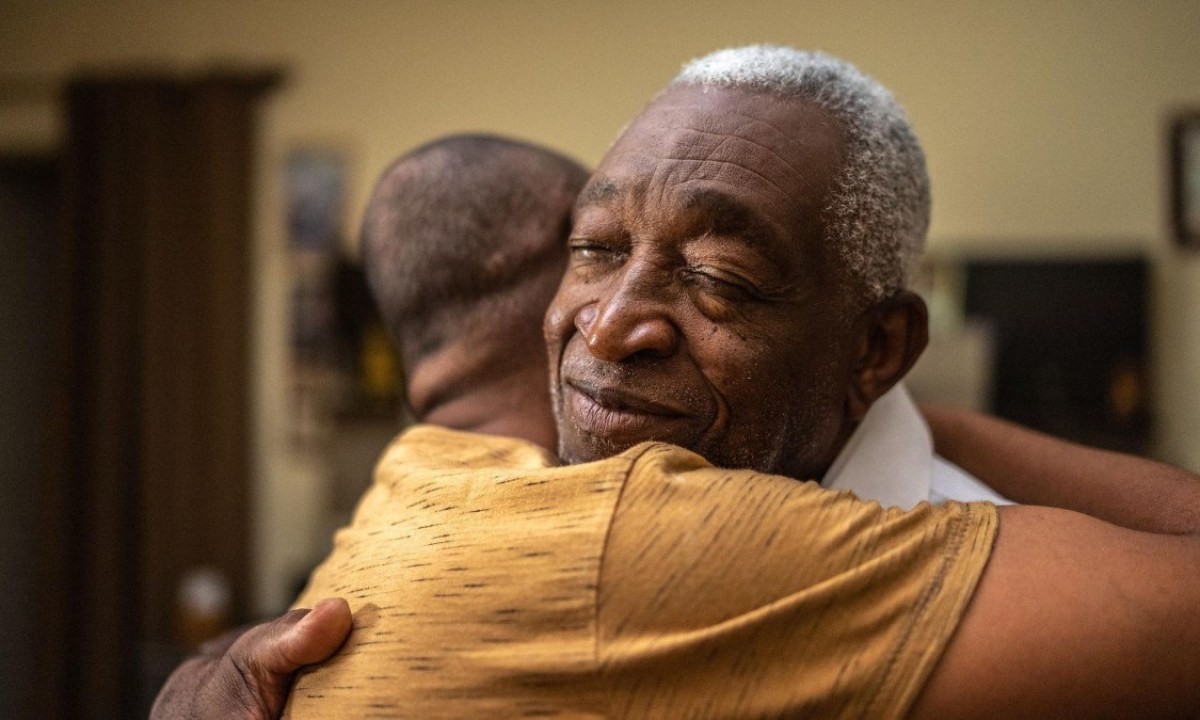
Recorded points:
(251, 679)
(261, 663)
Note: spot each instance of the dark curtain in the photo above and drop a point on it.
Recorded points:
(149, 471)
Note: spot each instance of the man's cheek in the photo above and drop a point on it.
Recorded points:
(742, 361)
(758, 390)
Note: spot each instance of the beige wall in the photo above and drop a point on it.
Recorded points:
(1043, 122)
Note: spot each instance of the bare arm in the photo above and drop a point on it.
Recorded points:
(1074, 616)
(1036, 469)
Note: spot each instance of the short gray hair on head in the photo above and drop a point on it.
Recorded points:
(878, 209)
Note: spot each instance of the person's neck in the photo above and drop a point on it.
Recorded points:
(495, 409)
(480, 389)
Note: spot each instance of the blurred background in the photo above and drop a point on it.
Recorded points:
(194, 387)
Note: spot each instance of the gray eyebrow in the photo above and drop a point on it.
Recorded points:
(729, 216)
(601, 191)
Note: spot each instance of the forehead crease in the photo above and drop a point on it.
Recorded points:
(693, 166)
(785, 173)
(729, 141)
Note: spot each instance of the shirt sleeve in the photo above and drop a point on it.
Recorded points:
(729, 593)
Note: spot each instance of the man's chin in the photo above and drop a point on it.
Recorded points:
(584, 448)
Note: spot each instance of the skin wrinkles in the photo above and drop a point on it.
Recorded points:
(724, 140)
(699, 305)
(778, 132)
(733, 169)
(779, 135)
(727, 220)
(726, 214)
(696, 164)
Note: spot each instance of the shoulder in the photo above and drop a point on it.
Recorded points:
(838, 606)
(669, 482)
(433, 446)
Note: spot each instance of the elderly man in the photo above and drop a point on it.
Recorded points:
(754, 228)
(698, 251)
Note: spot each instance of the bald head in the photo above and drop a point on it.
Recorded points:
(463, 245)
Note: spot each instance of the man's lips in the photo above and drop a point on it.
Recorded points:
(616, 414)
(619, 399)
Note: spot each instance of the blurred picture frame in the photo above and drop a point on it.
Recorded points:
(316, 197)
(1185, 179)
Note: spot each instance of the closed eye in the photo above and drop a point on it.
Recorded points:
(592, 251)
(591, 259)
(718, 283)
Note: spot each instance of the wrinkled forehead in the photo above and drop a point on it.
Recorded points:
(780, 154)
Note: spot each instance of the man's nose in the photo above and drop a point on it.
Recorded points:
(632, 320)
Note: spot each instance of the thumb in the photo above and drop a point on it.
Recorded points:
(316, 635)
(261, 663)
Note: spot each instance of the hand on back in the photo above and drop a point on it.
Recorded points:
(248, 675)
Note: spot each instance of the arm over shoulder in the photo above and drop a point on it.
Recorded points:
(727, 593)
(1075, 617)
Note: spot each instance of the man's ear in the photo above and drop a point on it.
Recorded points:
(894, 332)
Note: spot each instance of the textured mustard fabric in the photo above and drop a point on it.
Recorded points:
(487, 582)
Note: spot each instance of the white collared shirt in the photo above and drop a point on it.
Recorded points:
(890, 458)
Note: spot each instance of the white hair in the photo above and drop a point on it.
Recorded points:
(877, 212)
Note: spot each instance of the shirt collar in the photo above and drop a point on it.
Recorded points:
(889, 457)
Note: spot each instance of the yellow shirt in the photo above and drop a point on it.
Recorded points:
(488, 582)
